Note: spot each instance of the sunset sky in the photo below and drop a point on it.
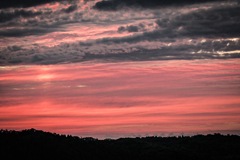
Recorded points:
(120, 68)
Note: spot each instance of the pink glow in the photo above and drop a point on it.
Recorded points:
(73, 33)
(123, 99)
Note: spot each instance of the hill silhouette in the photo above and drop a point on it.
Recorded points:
(39, 145)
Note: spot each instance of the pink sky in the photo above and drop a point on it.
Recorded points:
(123, 99)
(122, 69)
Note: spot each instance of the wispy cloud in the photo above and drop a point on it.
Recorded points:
(122, 99)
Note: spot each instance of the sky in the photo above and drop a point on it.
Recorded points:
(116, 68)
(59, 31)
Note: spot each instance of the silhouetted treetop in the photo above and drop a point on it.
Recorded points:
(35, 144)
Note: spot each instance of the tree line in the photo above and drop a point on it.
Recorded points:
(39, 145)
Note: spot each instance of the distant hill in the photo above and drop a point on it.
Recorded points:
(38, 145)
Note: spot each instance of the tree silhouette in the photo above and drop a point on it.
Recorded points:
(38, 145)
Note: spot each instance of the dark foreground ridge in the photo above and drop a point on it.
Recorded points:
(38, 145)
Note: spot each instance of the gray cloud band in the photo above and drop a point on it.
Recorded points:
(29, 3)
(111, 5)
(216, 25)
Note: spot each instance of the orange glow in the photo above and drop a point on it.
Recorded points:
(123, 99)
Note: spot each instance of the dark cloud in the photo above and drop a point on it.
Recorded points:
(207, 50)
(76, 53)
(10, 15)
(117, 4)
(26, 3)
(212, 23)
(70, 9)
(141, 27)
(26, 31)
(14, 48)
(219, 22)
(25, 22)
(176, 34)
(130, 28)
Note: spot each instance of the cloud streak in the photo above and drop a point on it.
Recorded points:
(122, 99)
(111, 5)
(26, 4)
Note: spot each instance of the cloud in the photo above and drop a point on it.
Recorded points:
(130, 28)
(26, 31)
(25, 22)
(201, 51)
(133, 28)
(71, 34)
(41, 20)
(10, 15)
(109, 5)
(25, 4)
(217, 22)
(70, 9)
(75, 52)
(221, 22)
(14, 48)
